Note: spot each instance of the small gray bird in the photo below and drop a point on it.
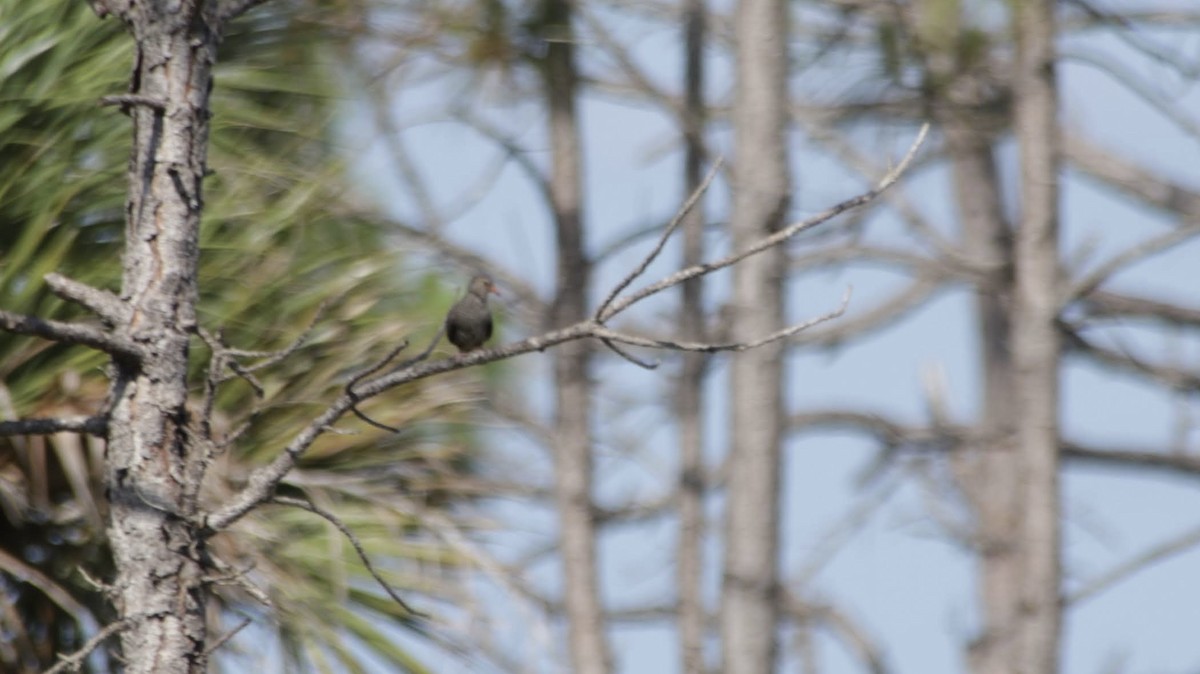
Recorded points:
(469, 323)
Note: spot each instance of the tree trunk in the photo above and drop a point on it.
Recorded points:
(750, 591)
(1035, 336)
(155, 543)
(990, 471)
(589, 651)
(689, 393)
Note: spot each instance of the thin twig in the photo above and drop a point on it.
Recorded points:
(1150, 247)
(74, 661)
(226, 637)
(677, 220)
(774, 239)
(1126, 569)
(605, 333)
(70, 333)
(362, 553)
(95, 425)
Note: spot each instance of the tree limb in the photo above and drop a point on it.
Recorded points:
(263, 481)
(95, 425)
(70, 333)
(308, 505)
(110, 308)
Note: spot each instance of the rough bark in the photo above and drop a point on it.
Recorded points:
(589, 652)
(1035, 337)
(156, 547)
(750, 589)
(689, 393)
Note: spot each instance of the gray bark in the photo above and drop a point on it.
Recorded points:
(750, 590)
(989, 470)
(589, 651)
(1035, 337)
(689, 393)
(155, 543)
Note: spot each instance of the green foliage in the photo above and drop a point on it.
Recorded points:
(282, 234)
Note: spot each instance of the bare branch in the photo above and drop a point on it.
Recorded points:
(1137, 84)
(362, 554)
(126, 101)
(1171, 463)
(1122, 571)
(774, 239)
(885, 312)
(606, 333)
(686, 208)
(645, 364)
(1136, 181)
(1129, 257)
(70, 333)
(212, 648)
(112, 309)
(379, 366)
(263, 481)
(97, 425)
(1175, 377)
(1108, 304)
(74, 661)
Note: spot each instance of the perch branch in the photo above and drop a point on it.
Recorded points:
(261, 484)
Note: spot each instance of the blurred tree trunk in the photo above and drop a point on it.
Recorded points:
(1035, 336)
(761, 184)
(589, 653)
(689, 392)
(989, 469)
(156, 547)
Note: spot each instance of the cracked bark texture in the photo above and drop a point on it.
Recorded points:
(156, 548)
(761, 186)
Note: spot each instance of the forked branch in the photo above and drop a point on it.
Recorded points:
(262, 483)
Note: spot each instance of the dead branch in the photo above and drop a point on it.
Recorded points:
(735, 347)
(1153, 555)
(1129, 257)
(774, 239)
(304, 504)
(110, 308)
(677, 220)
(212, 648)
(1174, 377)
(1103, 304)
(95, 425)
(74, 661)
(263, 481)
(70, 333)
(1137, 181)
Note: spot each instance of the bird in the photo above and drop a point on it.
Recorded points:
(469, 322)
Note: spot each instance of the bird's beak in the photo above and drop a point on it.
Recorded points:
(493, 289)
